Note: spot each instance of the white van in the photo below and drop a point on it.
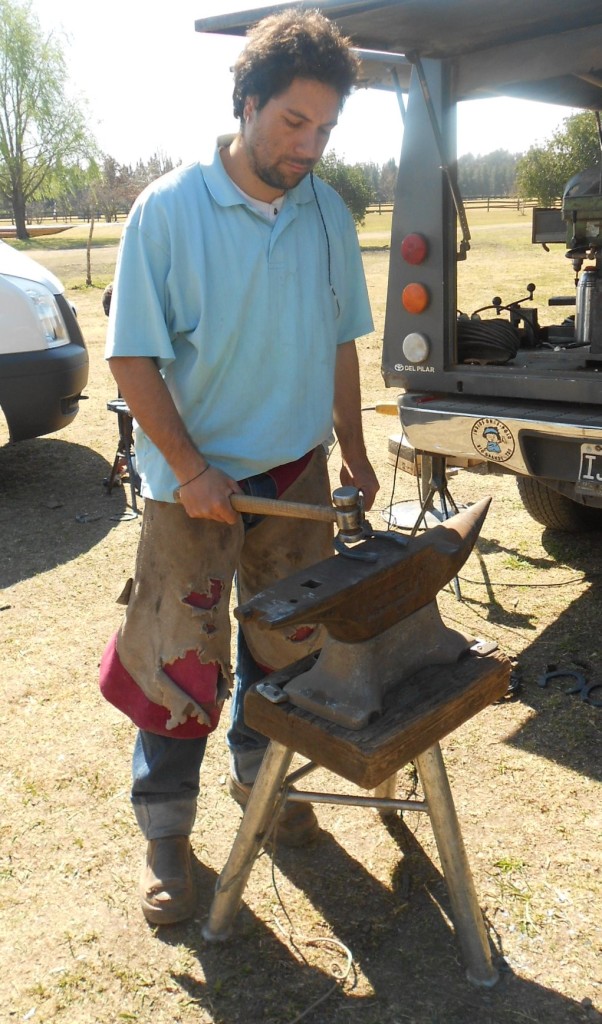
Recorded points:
(43, 356)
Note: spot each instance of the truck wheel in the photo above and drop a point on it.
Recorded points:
(555, 510)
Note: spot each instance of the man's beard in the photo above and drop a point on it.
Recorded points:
(271, 175)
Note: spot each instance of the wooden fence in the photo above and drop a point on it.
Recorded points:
(474, 203)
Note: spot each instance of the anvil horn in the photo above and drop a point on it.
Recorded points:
(357, 600)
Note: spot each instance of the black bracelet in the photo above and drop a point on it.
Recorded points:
(176, 493)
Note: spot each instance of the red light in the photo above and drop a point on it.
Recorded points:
(414, 248)
(415, 298)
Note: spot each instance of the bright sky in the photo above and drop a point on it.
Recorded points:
(154, 84)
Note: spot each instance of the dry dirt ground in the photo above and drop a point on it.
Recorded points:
(525, 774)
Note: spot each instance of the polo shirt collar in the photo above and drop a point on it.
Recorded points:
(225, 193)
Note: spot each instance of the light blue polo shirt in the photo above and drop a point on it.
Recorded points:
(239, 315)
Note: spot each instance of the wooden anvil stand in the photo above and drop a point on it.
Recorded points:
(390, 681)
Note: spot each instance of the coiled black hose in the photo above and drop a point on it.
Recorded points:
(486, 341)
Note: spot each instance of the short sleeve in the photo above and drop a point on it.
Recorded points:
(139, 318)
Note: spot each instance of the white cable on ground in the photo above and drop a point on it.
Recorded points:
(318, 941)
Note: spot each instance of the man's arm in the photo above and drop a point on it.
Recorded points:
(356, 468)
(150, 402)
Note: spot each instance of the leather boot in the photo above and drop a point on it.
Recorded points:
(166, 887)
(297, 824)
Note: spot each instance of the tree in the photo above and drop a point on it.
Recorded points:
(387, 181)
(544, 171)
(116, 190)
(41, 130)
(493, 174)
(381, 179)
(349, 181)
(69, 192)
(119, 185)
(158, 164)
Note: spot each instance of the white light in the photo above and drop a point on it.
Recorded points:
(46, 310)
(416, 347)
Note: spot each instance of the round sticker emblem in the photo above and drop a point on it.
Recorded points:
(492, 439)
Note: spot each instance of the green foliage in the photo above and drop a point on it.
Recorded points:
(490, 175)
(382, 180)
(120, 184)
(69, 191)
(349, 181)
(42, 132)
(544, 171)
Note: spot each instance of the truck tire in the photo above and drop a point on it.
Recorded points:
(555, 510)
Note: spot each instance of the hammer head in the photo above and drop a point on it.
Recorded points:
(349, 509)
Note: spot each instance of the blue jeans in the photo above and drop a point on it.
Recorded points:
(165, 770)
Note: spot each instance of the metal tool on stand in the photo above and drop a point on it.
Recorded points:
(389, 683)
(346, 511)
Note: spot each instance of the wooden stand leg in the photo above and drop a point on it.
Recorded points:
(259, 813)
(467, 915)
(386, 791)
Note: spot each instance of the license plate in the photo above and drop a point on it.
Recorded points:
(590, 470)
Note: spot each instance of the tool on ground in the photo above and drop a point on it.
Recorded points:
(581, 687)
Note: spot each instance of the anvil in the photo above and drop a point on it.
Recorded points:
(381, 618)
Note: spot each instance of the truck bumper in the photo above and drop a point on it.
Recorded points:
(517, 436)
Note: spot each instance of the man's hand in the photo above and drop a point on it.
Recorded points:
(360, 474)
(204, 493)
(208, 496)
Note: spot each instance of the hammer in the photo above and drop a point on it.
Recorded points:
(346, 510)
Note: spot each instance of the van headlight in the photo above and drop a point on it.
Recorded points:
(46, 310)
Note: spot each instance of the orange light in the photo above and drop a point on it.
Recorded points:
(415, 298)
(414, 248)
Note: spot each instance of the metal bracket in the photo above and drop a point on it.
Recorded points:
(484, 647)
(273, 693)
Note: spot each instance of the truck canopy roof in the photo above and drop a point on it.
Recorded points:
(546, 50)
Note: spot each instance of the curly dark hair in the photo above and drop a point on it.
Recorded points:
(293, 44)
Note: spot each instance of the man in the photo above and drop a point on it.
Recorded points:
(239, 291)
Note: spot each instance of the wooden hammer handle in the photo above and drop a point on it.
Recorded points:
(275, 507)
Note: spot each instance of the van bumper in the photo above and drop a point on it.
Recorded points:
(40, 391)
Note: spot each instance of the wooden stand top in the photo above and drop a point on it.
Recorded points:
(417, 714)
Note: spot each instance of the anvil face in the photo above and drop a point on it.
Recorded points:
(357, 600)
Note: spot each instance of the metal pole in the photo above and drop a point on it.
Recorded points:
(467, 915)
(259, 813)
(343, 800)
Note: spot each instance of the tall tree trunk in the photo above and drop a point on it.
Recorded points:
(18, 204)
(89, 254)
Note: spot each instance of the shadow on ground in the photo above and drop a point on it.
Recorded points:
(400, 937)
(52, 488)
(567, 725)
